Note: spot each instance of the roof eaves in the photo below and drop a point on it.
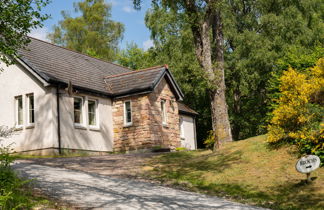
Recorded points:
(41, 77)
(45, 78)
(174, 83)
(188, 113)
(171, 79)
(133, 92)
(158, 79)
(91, 91)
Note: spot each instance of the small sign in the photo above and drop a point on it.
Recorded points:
(308, 164)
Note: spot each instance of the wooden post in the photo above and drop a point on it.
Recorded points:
(308, 180)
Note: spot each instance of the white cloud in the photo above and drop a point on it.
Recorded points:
(39, 33)
(147, 44)
(113, 2)
(128, 9)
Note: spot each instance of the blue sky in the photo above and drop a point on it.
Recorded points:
(122, 11)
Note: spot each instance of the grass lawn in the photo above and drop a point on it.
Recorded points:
(28, 198)
(245, 171)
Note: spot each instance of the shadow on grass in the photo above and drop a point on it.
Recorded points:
(187, 167)
(187, 171)
(299, 195)
(285, 197)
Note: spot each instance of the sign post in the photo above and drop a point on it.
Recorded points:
(307, 164)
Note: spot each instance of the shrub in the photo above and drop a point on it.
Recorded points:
(298, 116)
(11, 192)
(178, 149)
(210, 140)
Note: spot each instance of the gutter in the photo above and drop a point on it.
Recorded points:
(58, 119)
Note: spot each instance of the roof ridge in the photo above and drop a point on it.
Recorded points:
(80, 53)
(134, 71)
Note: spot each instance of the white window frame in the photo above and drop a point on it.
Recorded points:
(125, 114)
(17, 125)
(181, 128)
(96, 126)
(28, 109)
(82, 112)
(164, 112)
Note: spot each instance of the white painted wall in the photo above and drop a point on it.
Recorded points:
(188, 140)
(15, 81)
(85, 137)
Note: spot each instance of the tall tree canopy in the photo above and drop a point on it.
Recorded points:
(205, 22)
(92, 33)
(136, 58)
(260, 38)
(17, 19)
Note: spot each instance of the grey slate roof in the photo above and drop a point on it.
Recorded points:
(136, 81)
(140, 81)
(184, 109)
(56, 63)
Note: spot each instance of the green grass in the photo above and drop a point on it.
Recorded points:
(245, 171)
(17, 193)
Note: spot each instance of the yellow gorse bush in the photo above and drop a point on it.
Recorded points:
(299, 114)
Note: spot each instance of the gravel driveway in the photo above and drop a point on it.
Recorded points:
(89, 190)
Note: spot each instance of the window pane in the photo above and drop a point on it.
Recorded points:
(77, 117)
(78, 110)
(128, 111)
(31, 109)
(91, 106)
(163, 111)
(77, 103)
(181, 127)
(92, 112)
(20, 111)
(129, 116)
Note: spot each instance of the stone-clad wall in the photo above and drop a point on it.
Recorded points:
(147, 129)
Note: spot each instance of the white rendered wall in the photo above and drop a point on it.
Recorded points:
(16, 81)
(84, 137)
(189, 140)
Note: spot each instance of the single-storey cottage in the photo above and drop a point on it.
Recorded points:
(58, 99)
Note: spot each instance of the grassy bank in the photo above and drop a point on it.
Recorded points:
(246, 171)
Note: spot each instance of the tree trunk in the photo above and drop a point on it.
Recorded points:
(221, 125)
(213, 65)
(236, 128)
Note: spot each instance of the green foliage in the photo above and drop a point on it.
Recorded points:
(261, 39)
(92, 33)
(11, 194)
(135, 57)
(17, 18)
(298, 117)
(178, 149)
(210, 140)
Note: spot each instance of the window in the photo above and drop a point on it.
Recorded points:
(163, 112)
(127, 113)
(181, 128)
(92, 112)
(30, 108)
(19, 111)
(78, 105)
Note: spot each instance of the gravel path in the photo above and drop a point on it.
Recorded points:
(93, 191)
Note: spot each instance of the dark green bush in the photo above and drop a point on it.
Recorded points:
(12, 195)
